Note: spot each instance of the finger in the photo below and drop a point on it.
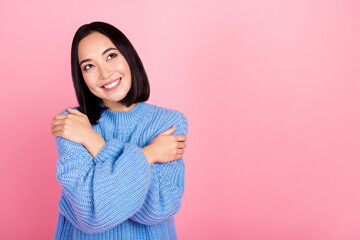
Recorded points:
(57, 128)
(74, 111)
(57, 122)
(180, 138)
(169, 131)
(181, 145)
(180, 151)
(61, 116)
(57, 133)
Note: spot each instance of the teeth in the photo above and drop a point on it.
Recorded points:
(112, 84)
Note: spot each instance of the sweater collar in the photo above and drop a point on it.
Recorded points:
(128, 118)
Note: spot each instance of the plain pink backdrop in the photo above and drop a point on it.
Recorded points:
(270, 89)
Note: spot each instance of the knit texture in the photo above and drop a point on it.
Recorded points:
(118, 195)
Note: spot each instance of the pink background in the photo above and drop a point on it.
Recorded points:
(270, 89)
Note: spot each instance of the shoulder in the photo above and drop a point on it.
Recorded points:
(166, 118)
(167, 113)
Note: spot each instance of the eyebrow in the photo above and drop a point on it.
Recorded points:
(88, 59)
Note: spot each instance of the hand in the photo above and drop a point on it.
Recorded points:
(75, 126)
(165, 147)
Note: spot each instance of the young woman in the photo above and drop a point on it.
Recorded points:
(120, 160)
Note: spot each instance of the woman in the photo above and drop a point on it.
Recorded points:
(120, 159)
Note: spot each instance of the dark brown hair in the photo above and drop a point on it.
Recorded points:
(89, 104)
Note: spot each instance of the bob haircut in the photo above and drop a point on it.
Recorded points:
(89, 104)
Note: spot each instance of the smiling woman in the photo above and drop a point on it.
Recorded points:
(120, 161)
(104, 70)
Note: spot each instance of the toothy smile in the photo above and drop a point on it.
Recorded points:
(113, 84)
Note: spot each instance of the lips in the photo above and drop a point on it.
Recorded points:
(112, 85)
(111, 82)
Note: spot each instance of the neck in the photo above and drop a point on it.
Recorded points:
(118, 107)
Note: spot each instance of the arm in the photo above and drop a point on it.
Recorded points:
(163, 199)
(97, 194)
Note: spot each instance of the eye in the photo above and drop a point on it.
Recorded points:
(111, 55)
(88, 66)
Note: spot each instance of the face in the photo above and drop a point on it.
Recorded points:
(104, 69)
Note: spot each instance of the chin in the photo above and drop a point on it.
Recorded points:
(115, 100)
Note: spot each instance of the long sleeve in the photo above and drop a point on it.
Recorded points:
(164, 196)
(98, 194)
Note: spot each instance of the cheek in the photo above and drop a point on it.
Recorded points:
(89, 81)
(130, 78)
(128, 82)
(91, 86)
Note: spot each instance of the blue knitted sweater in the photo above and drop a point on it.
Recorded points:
(118, 195)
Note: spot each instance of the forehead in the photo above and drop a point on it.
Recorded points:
(93, 45)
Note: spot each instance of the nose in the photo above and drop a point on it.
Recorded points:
(105, 72)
